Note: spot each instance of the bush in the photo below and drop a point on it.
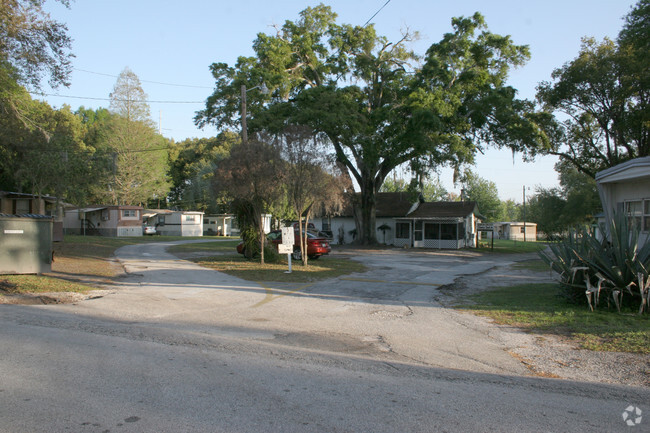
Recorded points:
(614, 270)
(271, 254)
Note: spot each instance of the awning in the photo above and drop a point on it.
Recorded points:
(90, 209)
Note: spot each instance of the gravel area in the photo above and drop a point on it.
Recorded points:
(544, 354)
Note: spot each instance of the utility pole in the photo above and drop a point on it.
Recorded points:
(524, 213)
(244, 132)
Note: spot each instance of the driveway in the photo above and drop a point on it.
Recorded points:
(180, 348)
(390, 312)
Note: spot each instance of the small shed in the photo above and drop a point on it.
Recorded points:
(25, 244)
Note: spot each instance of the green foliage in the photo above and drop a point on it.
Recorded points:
(369, 97)
(510, 211)
(45, 154)
(545, 209)
(33, 45)
(612, 270)
(429, 189)
(484, 193)
(603, 95)
(135, 161)
(192, 165)
(574, 204)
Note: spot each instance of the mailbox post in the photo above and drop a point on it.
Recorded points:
(286, 247)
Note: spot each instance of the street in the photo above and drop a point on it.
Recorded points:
(179, 348)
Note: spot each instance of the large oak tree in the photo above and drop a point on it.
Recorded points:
(379, 104)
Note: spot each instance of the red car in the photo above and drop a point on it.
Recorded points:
(316, 245)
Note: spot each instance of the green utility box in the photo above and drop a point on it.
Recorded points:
(25, 244)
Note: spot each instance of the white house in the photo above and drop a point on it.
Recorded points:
(402, 222)
(175, 222)
(443, 225)
(626, 188)
(342, 230)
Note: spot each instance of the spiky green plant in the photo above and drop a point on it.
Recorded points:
(591, 269)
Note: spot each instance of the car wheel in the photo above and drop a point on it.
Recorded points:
(296, 255)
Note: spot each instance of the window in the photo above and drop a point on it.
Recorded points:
(22, 207)
(326, 224)
(190, 217)
(161, 220)
(522, 230)
(402, 230)
(129, 213)
(634, 210)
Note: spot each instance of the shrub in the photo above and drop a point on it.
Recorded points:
(614, 269)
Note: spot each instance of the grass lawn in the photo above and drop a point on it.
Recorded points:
(227, 261)
(505, 246)
(84, 256)
(225, 245)
(323, 268)
(87, 257)
(536, 307)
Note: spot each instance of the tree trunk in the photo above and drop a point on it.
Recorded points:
(262, 238)
(367, 216)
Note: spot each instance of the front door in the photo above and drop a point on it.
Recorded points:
(418, 240)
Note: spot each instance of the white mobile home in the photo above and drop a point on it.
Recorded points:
(626, 188)
(175, 222)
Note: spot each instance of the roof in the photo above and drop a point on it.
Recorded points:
(152, 212)
(10, 194)
(393, 204)
(628, 171)
(27, 215)
(388, 204)
(444, 209)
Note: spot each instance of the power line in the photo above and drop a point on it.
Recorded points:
(145, 81)
(120, 100)
(369, 19)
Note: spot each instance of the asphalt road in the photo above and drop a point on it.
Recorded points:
(179, 348)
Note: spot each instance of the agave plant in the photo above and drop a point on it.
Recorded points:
(611, 268)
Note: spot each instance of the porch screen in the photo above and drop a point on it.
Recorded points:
(432, 231)
(402, 230)
(444, 231)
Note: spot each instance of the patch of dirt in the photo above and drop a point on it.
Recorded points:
(9, 293)
(544, 354)
(49, 297)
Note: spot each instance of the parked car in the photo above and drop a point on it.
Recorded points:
(148, 230)
(316, 245)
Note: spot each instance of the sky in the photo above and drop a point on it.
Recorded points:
(170, 46)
